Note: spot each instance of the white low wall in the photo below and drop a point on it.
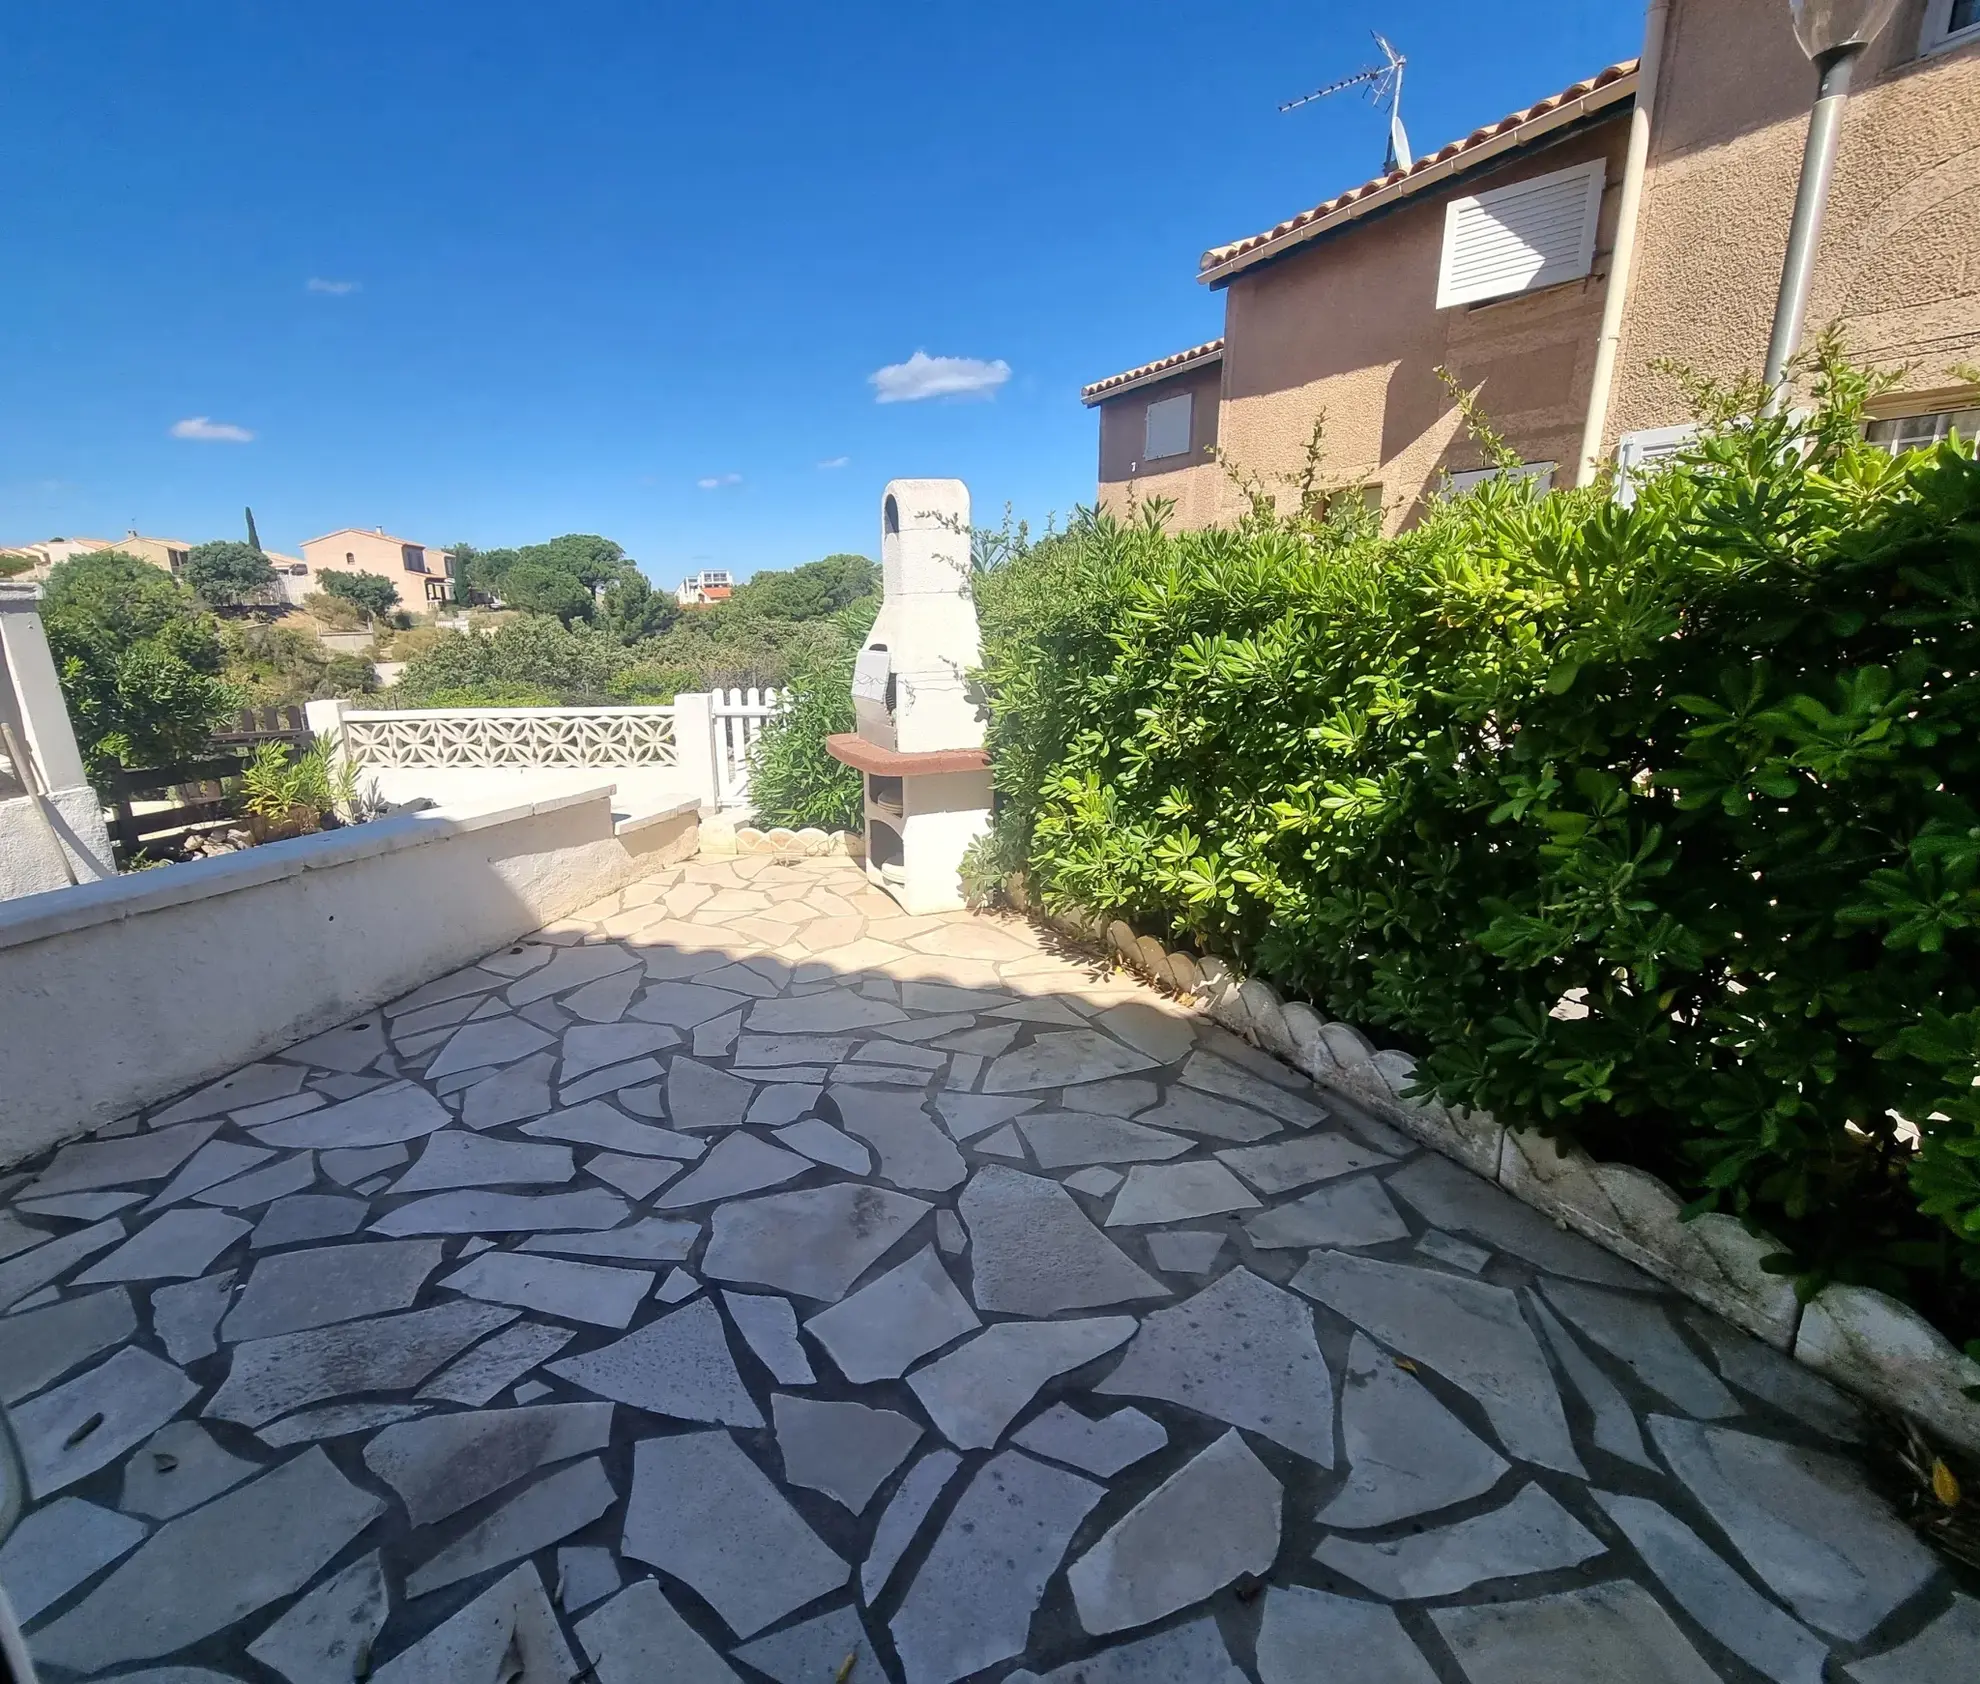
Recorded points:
(48, 842)
(116, 994)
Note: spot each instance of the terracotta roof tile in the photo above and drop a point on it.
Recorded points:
(1218, 256)
(1163, 365)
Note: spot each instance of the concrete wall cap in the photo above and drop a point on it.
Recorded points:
(657, 815)
(60, 911)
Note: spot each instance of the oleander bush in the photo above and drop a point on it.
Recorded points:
(1653, 826)
(792, 780)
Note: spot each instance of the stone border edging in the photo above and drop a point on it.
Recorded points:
(1862, 1339)
(721, 838)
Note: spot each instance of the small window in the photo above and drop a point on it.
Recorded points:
(1543, 472)
(1915, 432)
(176, 559)
(1949, 23)
(1536, 233)
(414, 557)
(350, 560)
(1168, 427)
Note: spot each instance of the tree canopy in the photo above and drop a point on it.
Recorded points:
(629, 642)
(810, 592)
(631, 610)
(372, 592)
(139, 661)
(537, 589)
(562, 576)
(227, 572)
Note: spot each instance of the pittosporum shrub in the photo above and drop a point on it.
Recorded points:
(1651, 825)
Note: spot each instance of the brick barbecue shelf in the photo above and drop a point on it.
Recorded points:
(855, 751)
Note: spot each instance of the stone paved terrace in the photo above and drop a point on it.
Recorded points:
(742, 1277)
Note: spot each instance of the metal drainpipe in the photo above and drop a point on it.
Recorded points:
(1818, 165)
(1615, 298)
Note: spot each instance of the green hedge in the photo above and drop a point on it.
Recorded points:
(1653, 825)
(792, 780)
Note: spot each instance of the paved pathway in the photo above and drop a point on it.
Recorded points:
(742, 1277)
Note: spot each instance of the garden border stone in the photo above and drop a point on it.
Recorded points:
(722, 838)
(1862, 1339)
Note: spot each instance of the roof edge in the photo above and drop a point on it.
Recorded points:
(1180, 362)
(1607, 88)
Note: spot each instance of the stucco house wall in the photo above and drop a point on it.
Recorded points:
(1123, 429)
(1372, 366)
(354, 550)
(1899, 264)
(1194, 482)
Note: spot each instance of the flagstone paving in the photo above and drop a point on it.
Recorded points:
(740, 1276)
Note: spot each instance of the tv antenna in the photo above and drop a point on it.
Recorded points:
(1384, 83)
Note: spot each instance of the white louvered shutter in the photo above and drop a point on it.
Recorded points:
(1535, 233)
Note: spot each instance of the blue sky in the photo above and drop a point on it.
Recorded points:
(500, 271)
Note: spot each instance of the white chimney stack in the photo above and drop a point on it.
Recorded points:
(919, 743)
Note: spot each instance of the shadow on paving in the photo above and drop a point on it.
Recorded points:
(740, 1276)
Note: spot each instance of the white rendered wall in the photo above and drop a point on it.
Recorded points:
(62, 840)
(35, 838)
(117, 994)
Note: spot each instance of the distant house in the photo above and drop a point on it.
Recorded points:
(168, 553)
(424, 575)
(1493, 257)
(710, 585)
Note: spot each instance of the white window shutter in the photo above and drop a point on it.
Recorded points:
(1535, 233)
(1465, 478)
(1168, 427)
(1638, 454)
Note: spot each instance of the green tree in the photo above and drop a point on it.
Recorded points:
(484, 575)
(538, 589)
(591, 560)
(631, 610)
(372, 592)
(140, 662)
(811, 592)
(227, 572)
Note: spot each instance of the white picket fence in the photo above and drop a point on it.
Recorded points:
(739, 717)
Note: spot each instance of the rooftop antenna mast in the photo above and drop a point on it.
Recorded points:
(1384, 83)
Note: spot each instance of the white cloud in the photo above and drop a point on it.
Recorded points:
(209, 431)
(835, 462)
(715, 482)
(923, 376)
(336, 288)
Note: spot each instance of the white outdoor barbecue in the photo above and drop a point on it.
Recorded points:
(919, 742)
